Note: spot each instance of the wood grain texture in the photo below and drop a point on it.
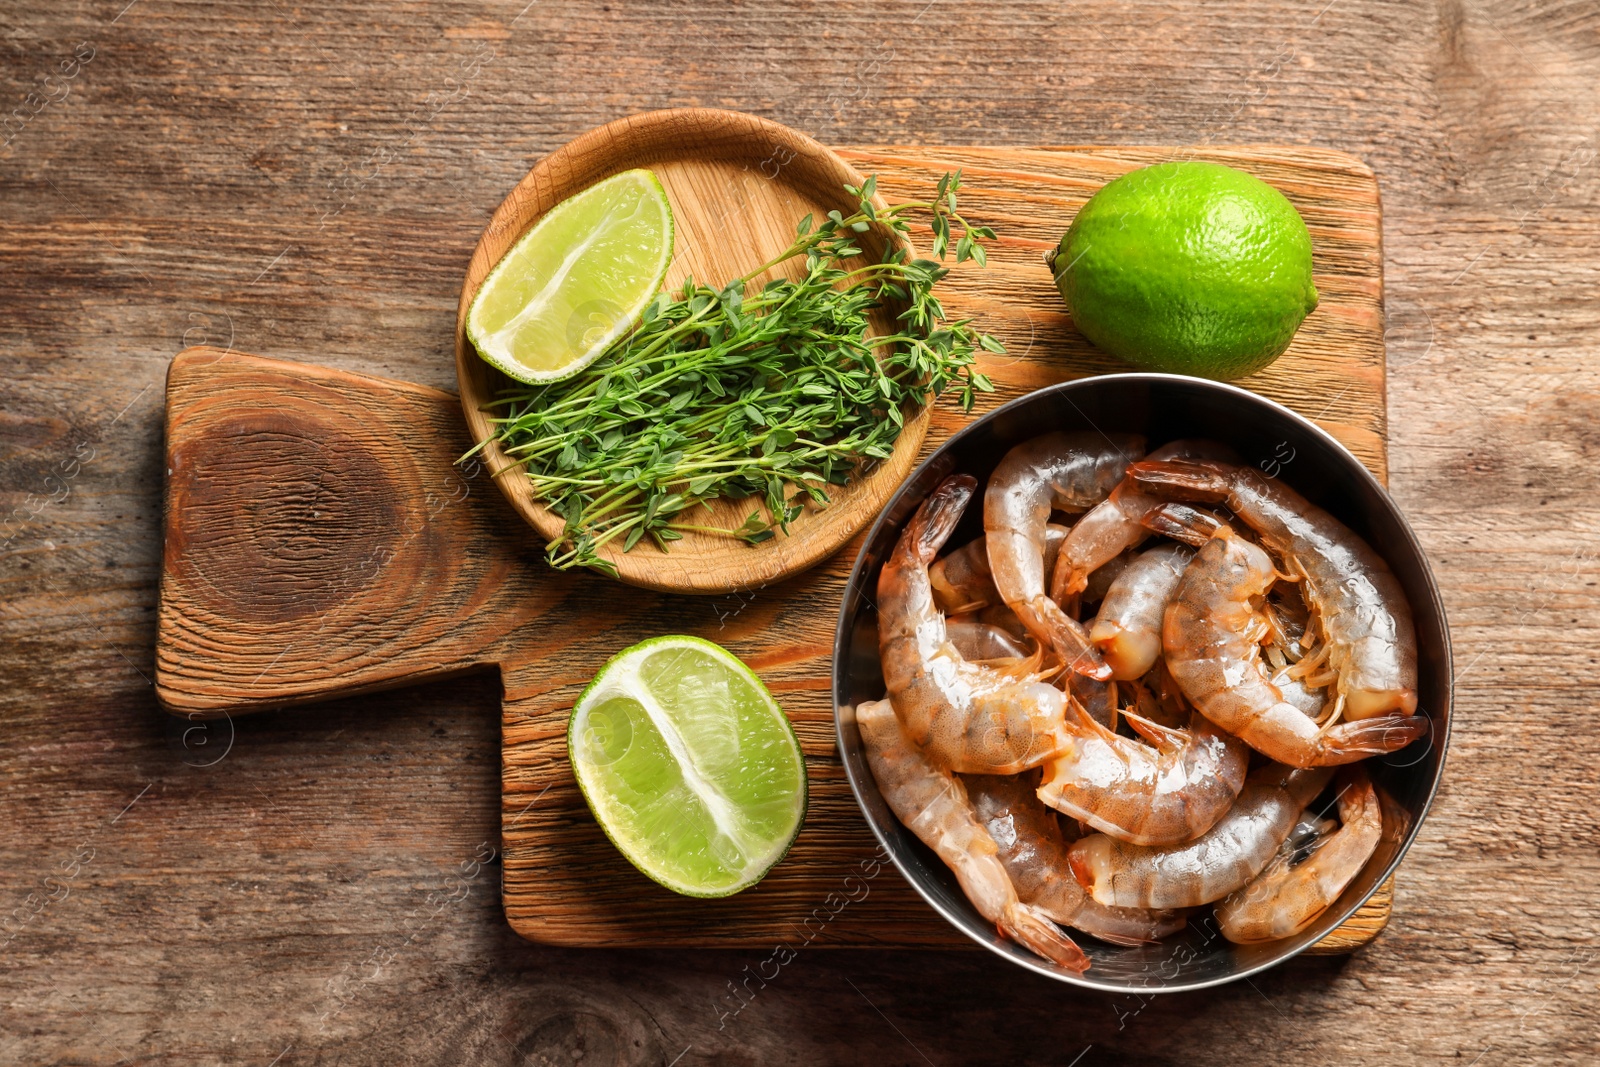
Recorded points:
(311, 182)
(321, 541)
(738, 185)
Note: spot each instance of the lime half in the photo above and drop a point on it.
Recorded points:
(689, 765)
(575, 282)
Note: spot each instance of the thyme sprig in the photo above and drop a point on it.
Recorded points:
(775, 395)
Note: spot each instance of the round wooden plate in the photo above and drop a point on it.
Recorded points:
(738, 185)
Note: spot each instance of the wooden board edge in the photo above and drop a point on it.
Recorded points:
(200, 357)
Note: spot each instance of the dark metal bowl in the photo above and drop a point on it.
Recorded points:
(1163, 407)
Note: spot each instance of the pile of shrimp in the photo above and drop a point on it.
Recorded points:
(1101, 733)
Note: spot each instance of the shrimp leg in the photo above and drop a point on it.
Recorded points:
(1285, 898)
(934, 806)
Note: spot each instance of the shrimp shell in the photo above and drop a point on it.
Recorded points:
(1166, 703)
(1225, 858)
(1211, 636)
(1114, 524)
(967, 717)
(1127, 629)
(982, 641)
(1097, 698)
(1364, 616)
(1313, 703)
(1035, 856)
(933, 805)
(1102, 577)
(1285, 898)
(1142, 794)
(1070, 471)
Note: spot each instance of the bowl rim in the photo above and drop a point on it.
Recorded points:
(1440, 737)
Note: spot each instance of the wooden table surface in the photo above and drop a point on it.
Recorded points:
(317, 885)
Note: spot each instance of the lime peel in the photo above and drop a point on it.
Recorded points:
(1188, 267)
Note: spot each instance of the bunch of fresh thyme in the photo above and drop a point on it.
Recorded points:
(726, 394)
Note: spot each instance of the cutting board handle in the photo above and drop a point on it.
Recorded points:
(322, 540)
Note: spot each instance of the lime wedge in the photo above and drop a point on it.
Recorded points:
(575, 282)
(689, 765)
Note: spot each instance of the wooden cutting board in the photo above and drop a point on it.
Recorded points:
(319, 542)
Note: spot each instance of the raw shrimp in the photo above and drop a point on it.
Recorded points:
(1212, 639)
(1146, 795)
(1100, 581)
(1098, 698)
(1114, 524)
(1070, 471)
(981, 641)
(965, 716)
(1035, 856)
(963, 582)
(1127, 629)
(1287, 897)
(1226, 857)
(1369, 644)
(1000, 617)
(933, 805)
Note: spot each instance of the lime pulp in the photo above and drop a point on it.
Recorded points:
(576, 281)
(689, 765)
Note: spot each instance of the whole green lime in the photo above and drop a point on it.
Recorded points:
(1188, 267)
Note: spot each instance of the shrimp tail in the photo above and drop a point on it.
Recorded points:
(1185, 479)
(936, 519)
(1071, 642)
(1360, 738)
(1027, 925)
(1189, 525)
